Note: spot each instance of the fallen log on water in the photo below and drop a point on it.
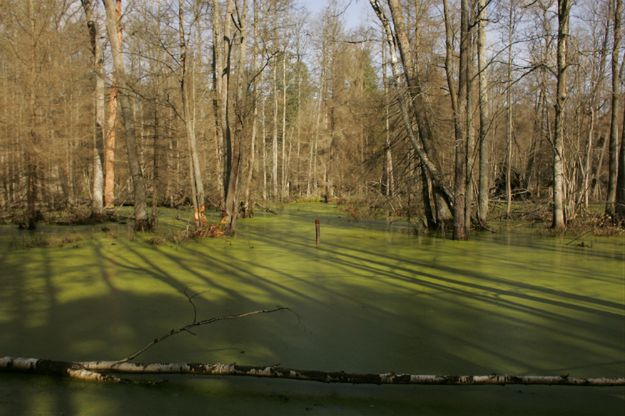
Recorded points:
(109, 371)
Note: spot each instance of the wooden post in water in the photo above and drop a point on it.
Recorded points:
(317, 232)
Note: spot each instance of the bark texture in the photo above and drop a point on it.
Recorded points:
(138, 182)
(558, 222)
(103, 371)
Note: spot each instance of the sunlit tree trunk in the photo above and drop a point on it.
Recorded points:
(469, 152)
(596, 79)
(388, 156)
(110, 142)
(234, 126)
(139, 191)
(247, 204)
(188, 114)
(484, 187)
(97, 205)
(415, 140)
(283, 191)
(558, 221)
(418, 107)
(509, 117)
(460, 173)
(218, 98)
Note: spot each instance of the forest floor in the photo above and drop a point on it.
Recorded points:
(372, 297)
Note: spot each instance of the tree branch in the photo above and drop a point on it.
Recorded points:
(103, 369)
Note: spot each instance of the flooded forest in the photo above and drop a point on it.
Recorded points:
(368, 207)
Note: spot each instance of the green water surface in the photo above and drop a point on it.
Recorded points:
(372, 297)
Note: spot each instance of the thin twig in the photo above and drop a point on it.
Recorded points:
(187, 328)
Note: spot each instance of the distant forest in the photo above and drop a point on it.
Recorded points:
(433, 110)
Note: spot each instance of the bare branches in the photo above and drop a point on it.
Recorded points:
(187, 328)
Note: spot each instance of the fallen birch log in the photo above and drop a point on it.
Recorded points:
(108, 371)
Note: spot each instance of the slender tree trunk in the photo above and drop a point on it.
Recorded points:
(484, 186)
(509, 125)
(596, 80)
(418, 107)
(460, 174)
(433, 171)
(247, 208)
(218, 99)
(110, 142)
(620, 188)
(112, 23)
(559, 222)
(188, 113)
(274, 137)
(613, 166)
(469, 152)
(620, 185)
(235, 127)
(388, 157)
(263, 146)
(97, 205)
(283, 192)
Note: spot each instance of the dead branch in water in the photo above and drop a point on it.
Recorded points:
(107, 371)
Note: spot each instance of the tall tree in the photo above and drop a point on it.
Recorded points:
(110, 140)
(98, 99)
(113, 22)
(483, 186)
(187, 86)
(558, 214)
(421, 140)
(235, 112)
(613, 166)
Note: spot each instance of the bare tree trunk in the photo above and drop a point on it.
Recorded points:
(460, 175)
(484, 186)
(469, 152)
(620, 185)
(247, 208)
(388, 157)
(418, 108)
(559, 222)
(218, 99)
(283, 192)
(433, 171)
(620, 188)
(312, 157)
(509, 112)
(97, 205)
(274, 137)
(32, 149)
(111, 134)
(188, 114)
(613, 165)
(263, 147)
(140, 204)
(596, 81)
(235, 127)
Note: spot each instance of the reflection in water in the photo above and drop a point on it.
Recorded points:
(372, 297)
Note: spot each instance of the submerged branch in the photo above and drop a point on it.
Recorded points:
(101, 371)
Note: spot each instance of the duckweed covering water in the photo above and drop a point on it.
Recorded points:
(372, 297)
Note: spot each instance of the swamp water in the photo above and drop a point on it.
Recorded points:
(370, 298)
